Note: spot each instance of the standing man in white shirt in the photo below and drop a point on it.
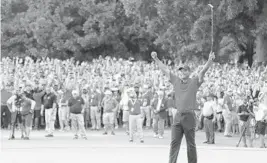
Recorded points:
(125, 108)
(209, 113)
(261, 117)
(135, 117)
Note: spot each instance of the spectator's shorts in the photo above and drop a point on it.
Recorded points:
(125, 116)
(27, 120)
(261, 127)
(108, 118)
(245, 126)
(37, 113)
(15, 118)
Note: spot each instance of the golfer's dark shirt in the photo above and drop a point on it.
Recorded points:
(185, 93)
(49, 100)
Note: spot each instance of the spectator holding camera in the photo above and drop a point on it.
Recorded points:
(245, 112)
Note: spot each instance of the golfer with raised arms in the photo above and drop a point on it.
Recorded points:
(185, 89)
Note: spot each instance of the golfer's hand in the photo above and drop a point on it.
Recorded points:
(211, 56)
(154, 55)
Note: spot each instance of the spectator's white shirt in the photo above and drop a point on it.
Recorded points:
(218, 108)
(11, 101)
(208, 108)
(124, 100)
(261, 114)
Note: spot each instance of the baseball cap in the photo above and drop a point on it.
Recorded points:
(184, 67)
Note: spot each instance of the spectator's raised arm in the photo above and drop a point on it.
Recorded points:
(164, 68)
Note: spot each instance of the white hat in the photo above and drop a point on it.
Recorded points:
(160, 93)
(114, 89)
(75, 92)
(146, 86)
(108, 92)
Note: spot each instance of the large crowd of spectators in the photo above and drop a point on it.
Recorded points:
(104, 75)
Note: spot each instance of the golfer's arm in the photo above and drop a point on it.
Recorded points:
(163, 67)
(204, 70)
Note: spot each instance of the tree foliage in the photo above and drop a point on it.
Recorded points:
(86, 29)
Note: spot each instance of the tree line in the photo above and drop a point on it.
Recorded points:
(86, 29)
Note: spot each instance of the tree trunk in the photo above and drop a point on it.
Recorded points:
(261, 48)
(250, 51)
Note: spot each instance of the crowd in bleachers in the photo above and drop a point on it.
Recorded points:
(110, 76)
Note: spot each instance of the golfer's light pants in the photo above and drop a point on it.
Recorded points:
(136, 122)
(184, 124)
(49, 120)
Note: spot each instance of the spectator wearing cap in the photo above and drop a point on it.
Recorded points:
(135, 117)
(147, 96)
(208, 112)
(95, 109)
(116, 96)
(86, 98)
(27, 109)
(28, 91)
(49, 107)
(63, 111)
(227, 115)
(159, 107)
(76, 107)
(109, 108)
(37, 96)
(219, 110)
